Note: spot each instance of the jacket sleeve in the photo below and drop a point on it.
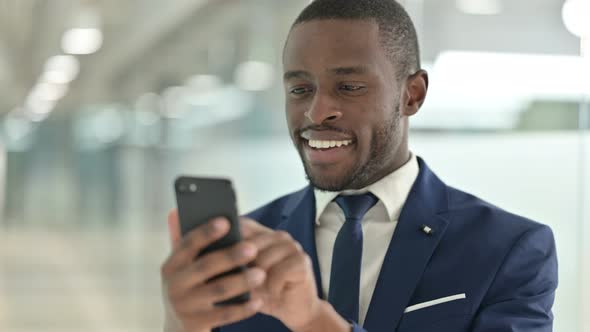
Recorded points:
(522, 293)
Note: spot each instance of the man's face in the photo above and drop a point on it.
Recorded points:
(342, 103)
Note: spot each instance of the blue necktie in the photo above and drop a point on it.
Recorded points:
(345, 276)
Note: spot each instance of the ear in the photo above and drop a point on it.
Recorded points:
(415, 92)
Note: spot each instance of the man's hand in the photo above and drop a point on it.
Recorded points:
(281, 281)
(188, 298)
(289, 292)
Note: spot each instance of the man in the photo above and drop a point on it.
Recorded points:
(376, 242)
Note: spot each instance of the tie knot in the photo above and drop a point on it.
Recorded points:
(355, 206)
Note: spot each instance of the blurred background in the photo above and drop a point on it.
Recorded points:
(104, 103)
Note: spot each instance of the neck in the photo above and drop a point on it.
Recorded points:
(401, 157)
(399, 160)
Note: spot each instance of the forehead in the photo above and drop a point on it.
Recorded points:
(331, 43)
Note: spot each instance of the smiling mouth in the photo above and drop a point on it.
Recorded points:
(325, 144)
(327, 152)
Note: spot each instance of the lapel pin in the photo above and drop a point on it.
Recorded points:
(427, 230)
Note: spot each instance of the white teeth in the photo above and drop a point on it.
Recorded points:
(316, 144)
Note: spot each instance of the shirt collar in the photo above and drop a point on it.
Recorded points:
(392, 190)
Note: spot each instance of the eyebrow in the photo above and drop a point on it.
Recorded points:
(339, 71)
(296, 74)
(342, 71)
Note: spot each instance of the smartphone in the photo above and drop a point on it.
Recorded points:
(201, 199)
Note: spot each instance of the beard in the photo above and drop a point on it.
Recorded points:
(382, 147)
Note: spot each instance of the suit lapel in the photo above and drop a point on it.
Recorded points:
(299, 221)
(409, 250)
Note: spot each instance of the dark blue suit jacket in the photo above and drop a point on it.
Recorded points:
(506, 265)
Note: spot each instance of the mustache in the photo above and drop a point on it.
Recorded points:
(300, 131)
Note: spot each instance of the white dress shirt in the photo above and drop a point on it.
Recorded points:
(378, 226)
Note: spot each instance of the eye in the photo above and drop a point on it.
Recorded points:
(299, 91)
(350, 87)
(353, 89)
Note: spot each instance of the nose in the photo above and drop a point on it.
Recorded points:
(323, 109)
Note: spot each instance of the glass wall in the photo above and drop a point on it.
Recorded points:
(92, 143)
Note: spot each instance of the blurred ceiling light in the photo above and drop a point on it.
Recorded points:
(254, 76)
(17, 127)
(37, 117)
(203, 83)
(108, 125)
(61, 69)
(173, 102)
(204, 90)
(576, 17)
(225, 104)
(479, 7)
(38, 110)
(99, 126)
(81, 41)
(49, 91)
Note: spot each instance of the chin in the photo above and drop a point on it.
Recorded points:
(326, 184)
(332, 177)
(327, 180)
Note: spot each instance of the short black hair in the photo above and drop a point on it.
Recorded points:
(398, 34)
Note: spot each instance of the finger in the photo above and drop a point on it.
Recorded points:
(294, 269)
(174, 228)
(204, 296)
(261, 292)
(276, 252)
(195, 241)
(209, 266)
(224, 315)
(250, 228)
(263, 241)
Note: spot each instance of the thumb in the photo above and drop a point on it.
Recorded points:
(174, 228)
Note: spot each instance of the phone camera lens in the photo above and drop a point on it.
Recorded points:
(182, 187)
(192, 187)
